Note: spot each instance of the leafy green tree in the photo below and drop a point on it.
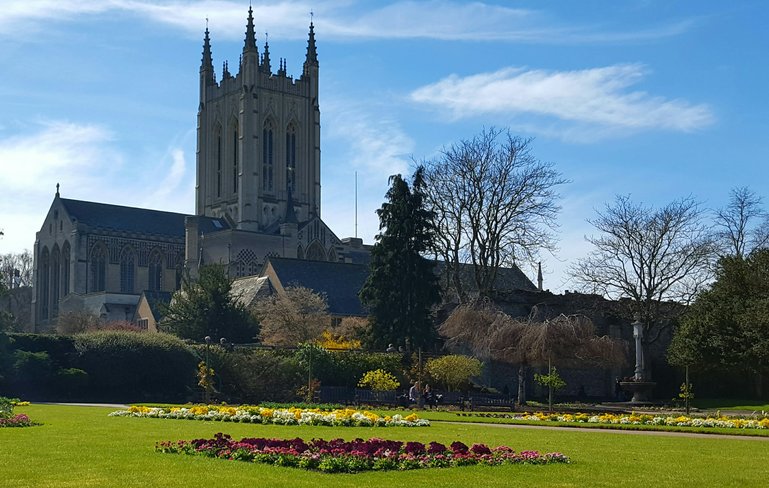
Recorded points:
(727, 326)
(454, 370)
(402, 287)
(206, 307)
(553, 381)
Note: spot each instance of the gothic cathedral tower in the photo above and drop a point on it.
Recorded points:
(258, 148)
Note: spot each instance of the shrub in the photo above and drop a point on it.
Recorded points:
(71, 382)
(31, 372)
(454, 370)
(253, 376)
(60, 348)
(345, 368)
(135, 366)
(379, 380)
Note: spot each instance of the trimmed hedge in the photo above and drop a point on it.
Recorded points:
(125, 366)
(130, 366)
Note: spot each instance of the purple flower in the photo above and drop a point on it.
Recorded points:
(458, 447)
(414, 448)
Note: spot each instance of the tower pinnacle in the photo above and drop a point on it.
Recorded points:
(250, 42)
(312, 51)
(266, 65)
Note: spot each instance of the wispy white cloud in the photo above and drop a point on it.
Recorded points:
(32, 162)
(591, 99)
(86, 161)
(341, 20)
(375, 147)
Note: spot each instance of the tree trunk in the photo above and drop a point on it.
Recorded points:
(522, 384)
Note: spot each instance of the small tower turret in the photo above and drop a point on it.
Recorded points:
(540, 280)
(266, 64)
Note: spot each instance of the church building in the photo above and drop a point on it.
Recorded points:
(257, 195)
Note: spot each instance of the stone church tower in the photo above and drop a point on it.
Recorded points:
(258, 151)
(257, 196)
(258, 165)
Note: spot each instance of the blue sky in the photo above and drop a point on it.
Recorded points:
(655, 99)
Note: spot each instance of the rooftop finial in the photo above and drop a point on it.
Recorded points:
(312, 51)
(539, 276)
(250, 43)
(207, 63)
(57, 189)
(266, 65)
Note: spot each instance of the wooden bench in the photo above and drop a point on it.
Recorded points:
(491, 403)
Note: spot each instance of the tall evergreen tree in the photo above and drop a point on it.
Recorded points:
(206, 307)
(402, 287)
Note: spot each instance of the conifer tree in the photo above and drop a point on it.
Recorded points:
(402, 287)
(206, 307)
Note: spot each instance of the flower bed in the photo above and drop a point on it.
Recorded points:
(19, 420)
(645, 419)
(286, 416)
(8, 419)
(339, 456)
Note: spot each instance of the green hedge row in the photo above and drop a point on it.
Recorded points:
(99, 366)
(121, 366)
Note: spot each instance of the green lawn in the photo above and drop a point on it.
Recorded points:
(731, 404)
(81, 447)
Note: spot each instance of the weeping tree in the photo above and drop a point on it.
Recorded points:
(566, 340)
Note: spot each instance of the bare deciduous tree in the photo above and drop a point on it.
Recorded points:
(743, 225)
(296, 316)
(16, 269)
(494, 204)
(651, 256)
(532, 341)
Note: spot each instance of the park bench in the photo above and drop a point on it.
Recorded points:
(491, 403)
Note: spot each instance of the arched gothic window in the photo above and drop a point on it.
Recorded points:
(332, 255)
(127, 270)
(219, 163)
(55, 276)
(155, 271)
(235, 159)
(45, 269)
(315, 252)
(65, 262)
(267, 157)
(290, 158)
(98, 264)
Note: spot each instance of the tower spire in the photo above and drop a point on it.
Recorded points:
(250, 42)
(312, 51)
(207, 62)
(539, 276)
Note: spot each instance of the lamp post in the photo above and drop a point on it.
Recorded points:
(638, 334)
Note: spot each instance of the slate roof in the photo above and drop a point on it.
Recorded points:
(340, 282)
(132, 219)
(508, 279)
(248, 289)
(155, 299)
